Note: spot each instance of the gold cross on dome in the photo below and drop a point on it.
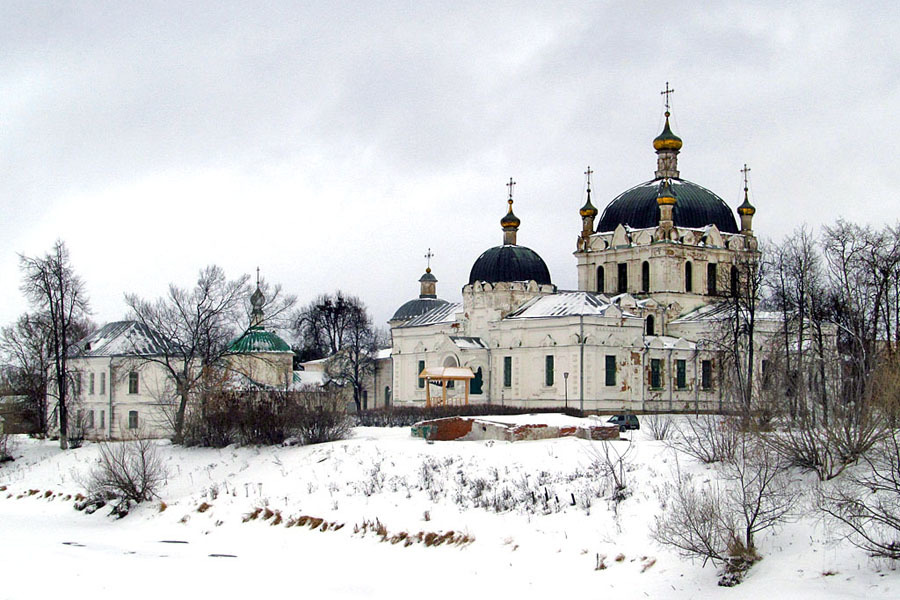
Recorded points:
(428, 256)
(667, 92)
(589, 172)
(745, 171)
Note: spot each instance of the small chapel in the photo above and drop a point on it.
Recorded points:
(635, 334)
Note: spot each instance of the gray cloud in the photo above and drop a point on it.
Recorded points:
(333, 144)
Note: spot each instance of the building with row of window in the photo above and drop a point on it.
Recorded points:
(636, 334)
(121, 386)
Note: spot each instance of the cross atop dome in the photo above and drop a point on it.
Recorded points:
(667, 145)
(510, 223)
(667, 92)
(428, 257)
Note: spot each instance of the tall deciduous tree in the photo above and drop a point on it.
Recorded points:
(58, 296)
(339, 326)
(25, 352)
(194, 327)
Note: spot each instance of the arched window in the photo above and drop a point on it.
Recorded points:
(651, 326)
(450, 361)
(734, 280)
(387, 395)
(601, 280)
(623, 278)
(688, 276)
(645, 277)
(711, 276)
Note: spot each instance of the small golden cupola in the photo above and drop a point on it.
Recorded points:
(666, 201)
(667, 145)
(588, 212)
(510, 223)
(746, 210)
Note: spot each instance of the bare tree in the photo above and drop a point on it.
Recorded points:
(24, 346)
(58, 296)
(339, 326)
(193, 328)
(323, 323)
(132, 471)
(867, 503)
(719, 520)
(734, 339)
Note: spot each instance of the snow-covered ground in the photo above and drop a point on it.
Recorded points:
(529, 519)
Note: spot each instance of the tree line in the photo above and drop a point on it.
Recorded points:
(191, 330)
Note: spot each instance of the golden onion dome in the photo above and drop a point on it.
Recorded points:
(666, 194)
(667, 140)
(588, 210)
(746, 208)
(510, 220)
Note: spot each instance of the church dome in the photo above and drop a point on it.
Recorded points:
(510, 263)
(416, 307)
(696, 208)
(667, 140)
(255, 340)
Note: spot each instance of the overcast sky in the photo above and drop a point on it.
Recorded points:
(331, 144)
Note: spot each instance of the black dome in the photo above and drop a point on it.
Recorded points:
(509, 263)
(416, 307)
(696, 207)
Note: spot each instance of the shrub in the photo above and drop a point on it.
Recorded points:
(661, 427)
(867, 503)
(131, 471)
(259, 417)
(708, 438)
(719, 521)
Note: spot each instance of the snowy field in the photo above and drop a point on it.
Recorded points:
(343, 520)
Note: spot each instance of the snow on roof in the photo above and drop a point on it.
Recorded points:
(442, 314)
(720, 312)
(447, 373)
(563, 304)
(468, 343)
(121, 338)
(668, 342)
(382, 353)
(304, 378)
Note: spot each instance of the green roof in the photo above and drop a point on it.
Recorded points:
(257, 339)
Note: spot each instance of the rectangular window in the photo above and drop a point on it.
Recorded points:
(91, 384)
(706, 374)
(419, 374)
(655, 373)
(507, 371)
(132, 419)
(133, 382)
(548, 370)
(77, 384)
(102, 419)
(89, 422)
(680, 373)
(623, 278)
(102, 384)
(765, 374)
(610, 369)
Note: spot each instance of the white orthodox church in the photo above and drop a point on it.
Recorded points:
(632, 337)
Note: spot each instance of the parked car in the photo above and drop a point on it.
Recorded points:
(625, 422)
